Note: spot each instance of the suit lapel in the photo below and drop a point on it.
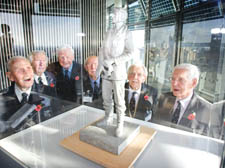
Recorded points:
(47, 78)
(189, 110)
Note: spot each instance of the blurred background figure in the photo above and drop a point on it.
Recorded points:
(92, 84)
(44, 81)
(6, 42)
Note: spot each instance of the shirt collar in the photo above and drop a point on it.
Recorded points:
(184, 102)
(70, 68)
(42, 76)
(19, 92)
(137, 91)
(92, 82)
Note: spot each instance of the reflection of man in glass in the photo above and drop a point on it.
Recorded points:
(116, 51)
(183, 108)
(7, 42)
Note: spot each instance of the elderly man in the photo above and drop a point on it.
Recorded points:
(68, 74)
(44, 81)
(183, 108)
(92, 84)
(20, 73)
(140, 98)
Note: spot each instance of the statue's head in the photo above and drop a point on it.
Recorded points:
(120, 15)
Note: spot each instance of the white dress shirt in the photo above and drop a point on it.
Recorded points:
(184, 103)
(136, 96)
(43, 77)
(19, 92)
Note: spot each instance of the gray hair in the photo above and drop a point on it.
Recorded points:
(91, 56)
(138, 65)
(64, 47)
(193, 70)
(33, 53)
(13, 60)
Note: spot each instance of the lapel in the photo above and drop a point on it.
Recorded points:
(189, 110)
(140, 103)
(165, 106)
(11, 92)
(48, 78)
(75, 70)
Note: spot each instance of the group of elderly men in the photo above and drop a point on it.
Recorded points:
(181, 108)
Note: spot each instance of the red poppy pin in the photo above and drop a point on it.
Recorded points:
(38, 108)
(191, 116)
(77, 78)
(146, 97)
(224, 121)
(52, 85)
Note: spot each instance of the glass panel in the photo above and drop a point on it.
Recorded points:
(136, 16)
(203, 45)
(139, 51)
(161, 58)
(60, 31)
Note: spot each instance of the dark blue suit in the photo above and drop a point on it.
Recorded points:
(67, 89)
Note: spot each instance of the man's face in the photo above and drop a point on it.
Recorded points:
(91, 66)
(39, 63)
(22, 74)
(182, 85)
(66, 58)
(136, 78)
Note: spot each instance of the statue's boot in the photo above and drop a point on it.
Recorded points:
(120, 125)
(107, 120)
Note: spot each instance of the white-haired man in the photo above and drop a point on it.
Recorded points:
(44, 81)
(67, 73)
(183, 108)
(140, 98)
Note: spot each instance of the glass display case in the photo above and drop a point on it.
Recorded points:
(165, 34)
(39, 146)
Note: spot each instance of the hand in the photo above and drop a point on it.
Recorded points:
(108, 62)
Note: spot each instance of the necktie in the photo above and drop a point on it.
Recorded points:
(40, 80)
(176, 113)
(132, 105)
(24, 98)
(66, 74)
(95, 93)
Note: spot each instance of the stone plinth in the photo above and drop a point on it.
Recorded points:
(104, 137)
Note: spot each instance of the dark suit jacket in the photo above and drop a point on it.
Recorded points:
(97, 103)
(48, 90)
(68, 90)
(197, 105)
(10, 107)
(144, 107)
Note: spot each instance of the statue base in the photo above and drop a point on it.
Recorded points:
(104, 137)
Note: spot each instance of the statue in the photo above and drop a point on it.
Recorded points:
(115, 53)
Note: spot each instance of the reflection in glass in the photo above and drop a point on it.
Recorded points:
(161, 57)
(204, 47)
